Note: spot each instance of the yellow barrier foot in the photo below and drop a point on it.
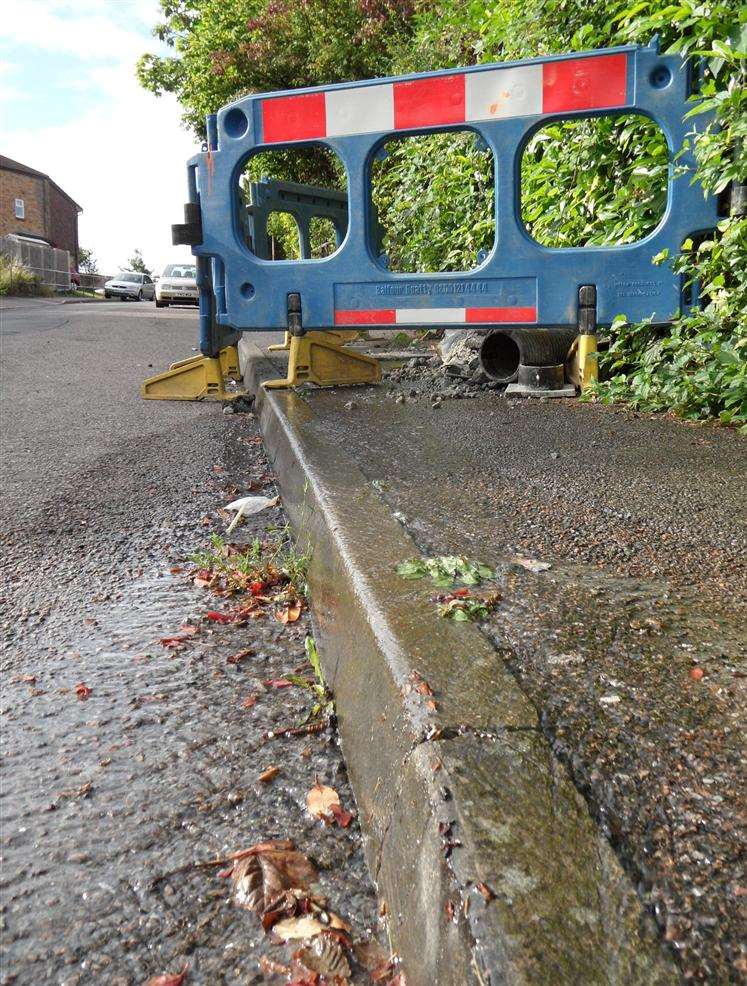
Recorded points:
(281, 347)
(582, 367)
(319, 358)
(229, 363)
(344, 335)
(198, 378)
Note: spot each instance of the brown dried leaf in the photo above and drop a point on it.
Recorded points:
(169, 979)
(486, 892)
(419, 684)
(289, 613)
(261, 874)
(324, 956)
(290, 929)
(370, 954)
(271, 968)
(239, 657)
(319, 801)
(269, 775)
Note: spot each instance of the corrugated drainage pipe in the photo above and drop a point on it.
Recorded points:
(504, 351)
(500, 357)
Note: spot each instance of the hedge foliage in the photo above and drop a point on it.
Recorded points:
(583, 182)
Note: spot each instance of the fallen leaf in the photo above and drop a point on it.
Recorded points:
(341, 816)
(82, 691)
(239, 657)
(418, 684)
(169, 979)
(485, 891)
(290, 613)
(325, 956)
(324, 803)
(256, 588)
(319, 801)
(172, 643)
(371, 955)
(261, 873)
(696, 673)
(533, 565)
(218, 617)
(272, 968)
(250, 701)
(290, 929)
(277, 683)
(26, 679)
(77, 792)
(384, 970)
(176, 570)
(269, 775)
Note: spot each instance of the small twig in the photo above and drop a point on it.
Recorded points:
(312, 727)
(199, 865)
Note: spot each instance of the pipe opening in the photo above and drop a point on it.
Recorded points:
(500, 357)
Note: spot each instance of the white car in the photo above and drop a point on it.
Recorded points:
(177, 285)
(130, 284)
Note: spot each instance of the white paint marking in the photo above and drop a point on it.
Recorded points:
(502, 93)
(363, 110)
(431, 316)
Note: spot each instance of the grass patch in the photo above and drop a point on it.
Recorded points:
(270, 563)
(323, 704)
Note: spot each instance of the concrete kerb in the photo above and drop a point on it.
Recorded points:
(484, 853)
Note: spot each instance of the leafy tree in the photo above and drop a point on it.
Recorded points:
(87, 262)
(226, 48)
(137, 263)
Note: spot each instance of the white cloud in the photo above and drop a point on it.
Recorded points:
(124, 159)
(90, 31)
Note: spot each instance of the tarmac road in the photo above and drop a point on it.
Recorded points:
(108, 801)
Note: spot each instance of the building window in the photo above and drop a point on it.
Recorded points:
(20, 209)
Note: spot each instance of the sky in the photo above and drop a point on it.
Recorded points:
(70, 106)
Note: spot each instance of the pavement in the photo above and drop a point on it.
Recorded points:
(571, 796)
(118, 796)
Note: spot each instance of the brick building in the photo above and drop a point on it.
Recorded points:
(32, 205)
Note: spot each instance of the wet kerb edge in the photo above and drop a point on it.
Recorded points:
(483, 852)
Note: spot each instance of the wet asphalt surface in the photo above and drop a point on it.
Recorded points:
(632, 645)
(109, 800)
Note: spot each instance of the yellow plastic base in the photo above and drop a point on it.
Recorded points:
(319, 358)
(281, 347)
(344, 335)
(198, 378)
(582, 367)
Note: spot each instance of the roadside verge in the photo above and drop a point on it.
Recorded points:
(485, 855)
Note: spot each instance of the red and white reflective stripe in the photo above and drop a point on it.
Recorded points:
(435, 316)
(594, 82)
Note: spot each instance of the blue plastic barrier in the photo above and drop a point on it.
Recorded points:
(520, 283)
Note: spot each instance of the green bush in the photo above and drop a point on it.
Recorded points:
(575, 191)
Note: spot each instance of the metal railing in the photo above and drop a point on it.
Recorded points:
(49, 265)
